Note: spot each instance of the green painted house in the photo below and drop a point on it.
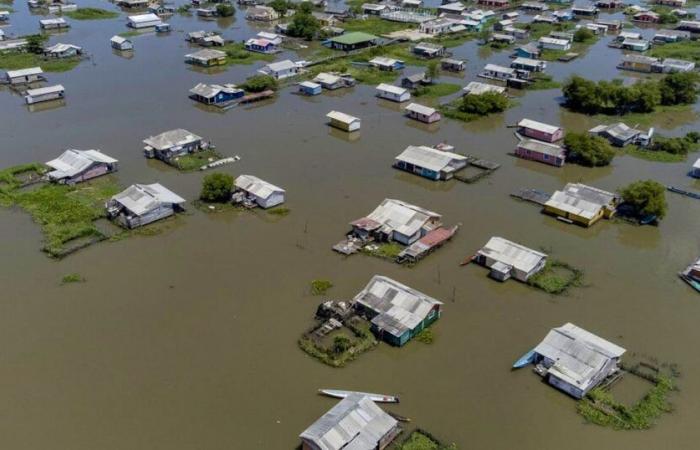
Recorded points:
(396, 311)
(352, 41)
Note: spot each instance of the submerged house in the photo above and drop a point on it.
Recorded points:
(395, 220)
(638, 63)
(496, 72)
(262, 14)
(356, 422)
(397, 312)
(45, 94)
(428, 50)
(452, 65)
(550, 43)
(206, 58)
(574, 360)
(430, 163)
(539, 151)
(281, 69)
(141, 204)
(388, 64)
(695, 170)
(422, 113)
(53, 24)
(541, 131)
(62, 51)
(215, 94)
(619, 134)
(581, 204)
(352, 41)
(121, 43)
(76, 166)
(507, 259)
(393, 93)
(261, 46)
(478, 88)
(25, 76)
(144, 21)
(332, 81)
(172, 144)
(310, 88)
(343, 121)
(532, 65)
(254, 191)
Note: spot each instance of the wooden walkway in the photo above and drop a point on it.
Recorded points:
(531, 195)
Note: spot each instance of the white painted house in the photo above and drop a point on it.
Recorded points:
(252, 189)
(508, 259)
(143, 21)
(393, 93)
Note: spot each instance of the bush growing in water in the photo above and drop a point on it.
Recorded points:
(647, 198)
(341, 344)
(217, 187)
(225, 9)
(583, 35)
(676, 145)
(484, 104)
(304, 24)
(588, 150)
(320, 287)
(259, 83)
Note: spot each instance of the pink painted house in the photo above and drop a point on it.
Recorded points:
(542, 152)
(540, 131)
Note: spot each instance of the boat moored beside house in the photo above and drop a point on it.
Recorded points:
(75, 166)
(141, 204)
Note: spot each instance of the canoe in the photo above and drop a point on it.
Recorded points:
(379, 398)
(525, 360)
(694, 284)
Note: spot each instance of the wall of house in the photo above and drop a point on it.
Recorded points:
(564, 386)
(138, 221)
(272, 200)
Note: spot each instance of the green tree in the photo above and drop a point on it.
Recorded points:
(431, 70)
(341, 344)
(583, 35)
(281, 6)
(303, 23)
(217, 187)
(225, 9)
(484, 104)
(588, 150)
(35, 43)
(648, 198)
(259, 83)
(679, 88)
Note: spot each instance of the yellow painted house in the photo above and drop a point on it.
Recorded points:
(581, 204)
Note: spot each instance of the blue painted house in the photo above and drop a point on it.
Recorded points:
(310, 88)
(215, 94)
(397, 312)
(530, 51)
(261, 46)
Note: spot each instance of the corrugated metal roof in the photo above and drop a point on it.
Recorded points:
(581, 200)
(538, 126)
(72, 162)
(477, 88)
(342, 117)
(211, 90)
(24, 72)
(142, 198)
(430, 158)
(515, 255)
(206, 54)
(402, 217)
(355, 422)
(399, 308)
(391, 88)
(421, 109)
(172, 138)
(542, 147)
(45, 90)
(256, 186)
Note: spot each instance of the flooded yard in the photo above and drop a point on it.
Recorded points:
(187, 339)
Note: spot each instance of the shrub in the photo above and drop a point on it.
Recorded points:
(647, 198)
(341, 344)
(484, 104)
(225, 10)
(72, 278)
(304, 24)
(588, 150)
(320, 287)
(259, 83)
(583, 35)
(217, 187)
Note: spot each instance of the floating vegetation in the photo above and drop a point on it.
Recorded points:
(437, 90)
(426, 336)
(128, 34)
(280, 211)
(340, 346)
(601, 408)
(72, 278)
(22, 60)
(320, 287)
(422, 440)
(556, 277)
(236, 53)
(194, 161)
(91, 14)
(542, 81)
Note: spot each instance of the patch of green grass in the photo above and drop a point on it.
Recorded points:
(437, 90)
(452, 111)
(426, 336)
(280, 211)
(64, 212)
(361, 341)
(72, 278)
(422, 440)
(375, 25)
(236, 53)
(386, 250)
(22, 60)
(128, 34)
(668, 116)
(91, 14)
(320, 287)
(688, 50)
(454, 39)
(599, 407)
(652, 155)
(556, 277)
(542, 81)
(193, 161)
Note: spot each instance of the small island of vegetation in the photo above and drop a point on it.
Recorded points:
(91, 14)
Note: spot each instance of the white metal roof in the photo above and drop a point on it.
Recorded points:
(383, 61)
(542, 147)
(140, 18)
(72, 162)
(515, 255)
(421, 109)
(58, 21)
(528, 62)
(256, 186)
(550, 40)
(45, 90)
(497, 68)
(281, 65)
(399, 308)
(142, 198)
(24, 72)
(309, 84)
(391, 88)
(171, 138)
(581, 200)
(211, 90)
(326, 78)
(478, 88)
(430, 158)
(60, 48)
(354, 423)
(342, 117)
(405, 218)
(206, 54)
(119, 39)
(538, 126)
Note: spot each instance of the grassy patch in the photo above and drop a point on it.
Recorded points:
(193, 161)
(375, 25)
(236, 53)
(279, 211)
(386, 250)
(91, 14)
(556, 277)
(454, 39)
(426, 336)
(653, 155)
(670, 116)
(22, 60)
(72, 278)
(65, 213)
(688, 50)
(452, 110)
(422, 440)
(357, 339)
(128, 34)
(437, 90)
(542, 81)
(320, 287)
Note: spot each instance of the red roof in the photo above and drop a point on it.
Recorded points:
(437, 236)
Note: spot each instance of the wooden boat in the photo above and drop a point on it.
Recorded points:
(676, 190)
(378, 398)
(694, 284)
(525, 360)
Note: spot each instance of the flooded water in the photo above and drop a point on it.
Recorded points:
(187, 339)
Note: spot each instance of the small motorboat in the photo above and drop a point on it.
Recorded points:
(378, 398)
(525, 360)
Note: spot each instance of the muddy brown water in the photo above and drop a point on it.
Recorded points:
(187, 339)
